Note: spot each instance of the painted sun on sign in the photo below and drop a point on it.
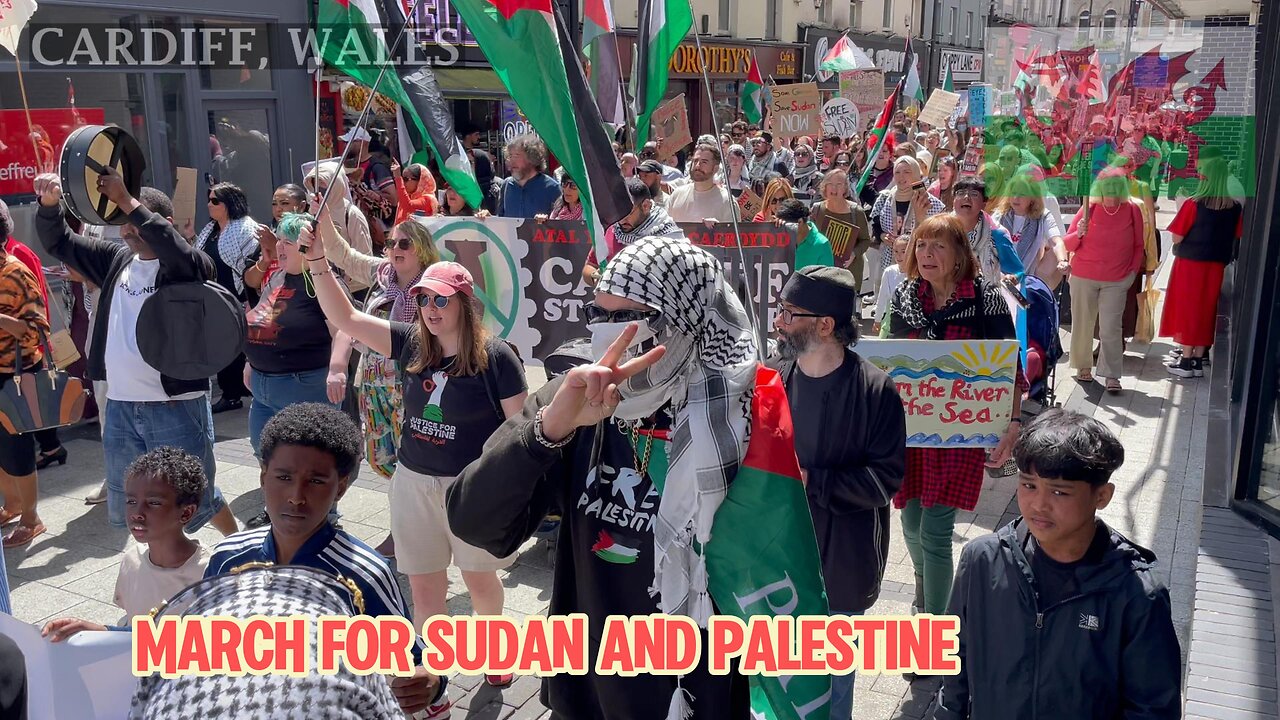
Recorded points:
(984, 360)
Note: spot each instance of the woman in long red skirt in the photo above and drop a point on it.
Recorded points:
(1205, 232)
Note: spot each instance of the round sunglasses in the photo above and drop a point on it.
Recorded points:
(440, 301)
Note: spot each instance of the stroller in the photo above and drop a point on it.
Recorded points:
(1044, 346)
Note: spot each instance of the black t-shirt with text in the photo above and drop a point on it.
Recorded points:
(447, 418)
(287, 330)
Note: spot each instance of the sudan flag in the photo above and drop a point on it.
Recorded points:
(878, 131)
(531, 52)
(763, 556)
(352, 37)
(753, 94)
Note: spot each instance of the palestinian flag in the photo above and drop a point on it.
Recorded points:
(742, 561)
(846, 56)
(911, 88)
(600, 42)
(530, 50)
(663, 24)
(609, 550)
(878, 131)
(947, 83)
(753, 94)
(352, 38)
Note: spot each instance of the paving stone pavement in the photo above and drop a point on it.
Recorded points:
(1162, 422)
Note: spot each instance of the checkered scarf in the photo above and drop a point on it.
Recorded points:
(342, 696)
(707, 376)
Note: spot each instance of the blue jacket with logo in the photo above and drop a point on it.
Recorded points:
(1108, 651)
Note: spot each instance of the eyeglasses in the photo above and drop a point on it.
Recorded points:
(968, 193)
(440, 301)
(401, 243)
(214, 201)
(567, 184)
(789, 316)
(842, 163)
(596, 314)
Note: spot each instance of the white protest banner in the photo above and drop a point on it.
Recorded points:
(866, 89)
(979, 104)
(840, 117)
(89, 676)
(939, 107)
(796, 110)
(956, 393)
(671, 126)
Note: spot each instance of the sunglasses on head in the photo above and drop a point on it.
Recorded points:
(596, 314)
(440, 301)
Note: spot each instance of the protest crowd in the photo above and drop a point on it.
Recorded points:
(366, 341)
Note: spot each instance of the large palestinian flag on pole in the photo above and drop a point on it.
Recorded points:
(753, 94)
(352, 36)
(600, 42)
(878, 131)
(663, 25)
(531, 52)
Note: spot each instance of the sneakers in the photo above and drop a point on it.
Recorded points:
(500, 681)
(438, 710)
(1186, 368)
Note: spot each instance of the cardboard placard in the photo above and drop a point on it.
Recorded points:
(866, 89)
(957, 393)
(939, 107)
(184, 202)
(750, 203)
(979, 105)
(796, 110)
(671, 126)
(840, 117)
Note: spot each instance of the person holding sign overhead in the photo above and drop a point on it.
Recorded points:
(945, 297)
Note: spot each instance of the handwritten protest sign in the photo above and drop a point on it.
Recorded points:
(866, 89)
(840, 117)
(796, 110)
(184, 202)
(750, 203)
(939, 107)
(671, 126)
(956, 393)
(979, 104)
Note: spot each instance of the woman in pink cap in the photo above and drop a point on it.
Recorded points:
(459, 385)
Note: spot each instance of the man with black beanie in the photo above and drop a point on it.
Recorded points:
(851, 437)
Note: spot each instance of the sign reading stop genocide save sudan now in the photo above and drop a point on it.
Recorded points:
(528, 275)
(796, 110)
(957, 393)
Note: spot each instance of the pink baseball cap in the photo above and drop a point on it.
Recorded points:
(445, 278)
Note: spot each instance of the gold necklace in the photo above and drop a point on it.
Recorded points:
(642, 467)
(1112, 213)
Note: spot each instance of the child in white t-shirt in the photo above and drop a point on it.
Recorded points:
(162, 492)
(891, 278)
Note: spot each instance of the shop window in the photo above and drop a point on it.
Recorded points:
(245, 78)
(240, 153)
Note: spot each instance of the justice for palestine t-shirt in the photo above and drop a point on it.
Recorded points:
(447, 418)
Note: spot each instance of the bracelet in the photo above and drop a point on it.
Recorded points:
(542, 439)
(322, 272)
(322, 257)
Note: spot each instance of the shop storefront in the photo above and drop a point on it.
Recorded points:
(966, 67)
(250, 125)
(727, 63)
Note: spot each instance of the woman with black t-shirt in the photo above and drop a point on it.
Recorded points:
(231, 241)
(459, 385)
(290, 346)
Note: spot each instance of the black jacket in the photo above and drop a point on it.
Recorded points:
(1108, 652)
(102, 261)
(860, 463)
(499, 501)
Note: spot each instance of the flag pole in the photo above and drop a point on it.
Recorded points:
(724, 169)
(315, 170)
(368, 104)
(31, 130)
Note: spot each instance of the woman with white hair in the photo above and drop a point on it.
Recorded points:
(898, 209)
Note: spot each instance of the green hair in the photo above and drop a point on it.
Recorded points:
(291, 225)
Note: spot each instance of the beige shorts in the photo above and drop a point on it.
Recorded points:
(420, 526)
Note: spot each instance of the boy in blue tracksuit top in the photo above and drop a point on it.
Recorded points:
(1061, 616)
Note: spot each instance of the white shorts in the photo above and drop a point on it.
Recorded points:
(420, 527)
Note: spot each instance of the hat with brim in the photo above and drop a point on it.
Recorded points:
(447, 279)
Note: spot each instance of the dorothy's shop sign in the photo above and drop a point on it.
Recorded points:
(529, 274)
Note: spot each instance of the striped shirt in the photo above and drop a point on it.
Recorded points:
(330, 549)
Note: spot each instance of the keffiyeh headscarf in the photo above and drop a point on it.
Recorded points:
(707, 375)
(658, 223)
(236, 244)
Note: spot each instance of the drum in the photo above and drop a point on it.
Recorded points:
(88, 152)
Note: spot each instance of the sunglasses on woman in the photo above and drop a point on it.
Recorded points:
(440, 301)
(401, 243)
(214, 201)
(596, 314)
(568, 184)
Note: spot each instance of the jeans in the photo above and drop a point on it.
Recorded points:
(842, 686)
(134, 428)
(927, 532)
(273, 393)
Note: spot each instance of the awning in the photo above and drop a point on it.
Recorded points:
(463, 82)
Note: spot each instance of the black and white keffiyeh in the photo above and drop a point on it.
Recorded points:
(657, 224)
(707, 375)
(237, 243)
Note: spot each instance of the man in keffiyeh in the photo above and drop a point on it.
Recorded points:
(646, 219)
(639, 450)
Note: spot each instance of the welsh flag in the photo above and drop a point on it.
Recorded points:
(753, 93)
(752, 573)
(531, 52)
(878, 131)
(846, 56)
(351, 36)
(663, 24)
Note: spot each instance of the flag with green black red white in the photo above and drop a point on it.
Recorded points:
(663, 25)
(531, 52)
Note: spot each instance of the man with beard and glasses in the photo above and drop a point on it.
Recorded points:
(646, 219)
(762, 157)
(851, 437)
(639, 449)
(702, 200)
